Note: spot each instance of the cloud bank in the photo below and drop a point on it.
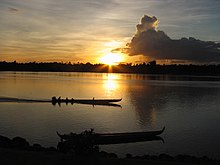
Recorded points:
(156, 44)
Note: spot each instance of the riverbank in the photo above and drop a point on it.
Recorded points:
(22, 157)
(18, 151)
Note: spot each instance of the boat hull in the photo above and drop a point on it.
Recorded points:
(114, 138)
(85, 101)
(98, 101)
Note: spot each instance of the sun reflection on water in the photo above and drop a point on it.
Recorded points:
(110, 83)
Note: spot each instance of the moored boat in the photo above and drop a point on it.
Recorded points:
(111, 138)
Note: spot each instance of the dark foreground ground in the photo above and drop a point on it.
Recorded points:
(23, 157)
(18, 151)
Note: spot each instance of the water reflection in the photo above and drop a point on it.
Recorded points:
(147, 100)
(110, 83)
(150, 98)
(187, 106)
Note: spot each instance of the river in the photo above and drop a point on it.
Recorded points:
(188, 106)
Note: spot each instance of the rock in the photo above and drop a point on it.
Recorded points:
(20, 143)
(51, 149)
(128, 156)
(165, 157)
(113, 155)
(5, 142)
(37, 147)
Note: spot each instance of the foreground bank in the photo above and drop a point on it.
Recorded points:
(18, 151)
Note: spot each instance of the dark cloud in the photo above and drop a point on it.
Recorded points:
(156, 44)
(13, 10)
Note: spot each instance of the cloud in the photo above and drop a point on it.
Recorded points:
(156, 44)
(147, 23)
(13, 10)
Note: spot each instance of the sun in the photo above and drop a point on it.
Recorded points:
(111, 59)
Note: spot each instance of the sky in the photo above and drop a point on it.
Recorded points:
(88, 30)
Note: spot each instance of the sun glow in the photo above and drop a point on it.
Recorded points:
(110, 83)
(106, 56)
(111, 59)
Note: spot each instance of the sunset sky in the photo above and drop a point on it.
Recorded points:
(88, 30)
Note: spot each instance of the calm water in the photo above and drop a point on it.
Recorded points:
(189, 107)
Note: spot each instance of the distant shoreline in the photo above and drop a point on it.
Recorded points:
(144, 68)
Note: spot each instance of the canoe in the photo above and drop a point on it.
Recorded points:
(132, 134)
(119, 140)
(96, 101)
(112, 138)
(104, 102)
(84, 101)
(116, 138)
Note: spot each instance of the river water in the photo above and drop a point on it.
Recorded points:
(188, 106)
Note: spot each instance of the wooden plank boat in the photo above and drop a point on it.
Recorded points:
(96, 101)
(132, 134)
(111, 138)
(115, 138)
(54, 101)
(85, 101)
(21, 100)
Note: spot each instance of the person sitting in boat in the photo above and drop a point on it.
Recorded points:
(59, 99)
(91, 131)
(54, 99)
(72, 101)
(88, 132)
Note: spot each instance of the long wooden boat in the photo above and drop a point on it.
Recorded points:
(54, 101)
(112, 138)
(116, 138)
(84, 101)
(96, 101)
(132, 134)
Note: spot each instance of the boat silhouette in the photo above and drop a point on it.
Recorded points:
(89, 137)
(93, 101)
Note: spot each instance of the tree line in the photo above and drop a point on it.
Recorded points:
(144, 68)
